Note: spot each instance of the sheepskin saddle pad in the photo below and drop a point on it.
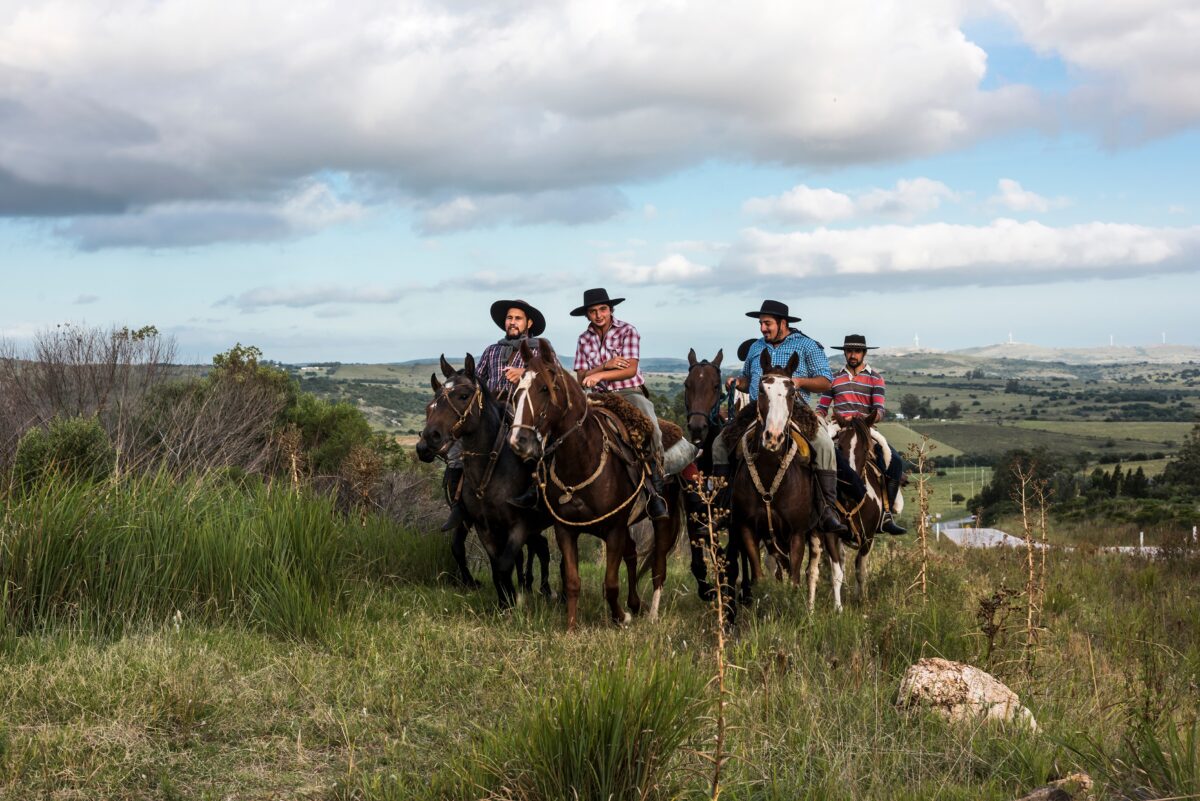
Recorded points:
(637, 431)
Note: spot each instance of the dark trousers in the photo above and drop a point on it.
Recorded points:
(894, 474)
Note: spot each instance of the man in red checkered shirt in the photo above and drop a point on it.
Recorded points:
(606, 360)
(857, 390)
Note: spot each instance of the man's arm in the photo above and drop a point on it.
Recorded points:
(877, 400)
(817, 377)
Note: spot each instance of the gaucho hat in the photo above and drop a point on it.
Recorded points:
(744, 349)
(500, 311)
(775, 309)
(855, 342)
(594, 297)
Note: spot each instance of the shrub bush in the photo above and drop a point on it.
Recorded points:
(76, 448)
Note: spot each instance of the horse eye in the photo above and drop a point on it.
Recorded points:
(545, 390)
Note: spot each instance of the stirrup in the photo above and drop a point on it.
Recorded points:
(458, 516)
(527, 499)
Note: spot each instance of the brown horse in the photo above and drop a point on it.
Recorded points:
(854, 440)
(586, 483)
(464, 410)
(773, 494)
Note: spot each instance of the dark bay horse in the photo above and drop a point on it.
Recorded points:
(463, 409)
(855, 441)
(586, 483)
(702, 397)
(773, 495)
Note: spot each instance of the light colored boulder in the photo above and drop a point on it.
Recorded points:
(960, 692)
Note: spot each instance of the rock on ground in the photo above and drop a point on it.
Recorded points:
(960, 693)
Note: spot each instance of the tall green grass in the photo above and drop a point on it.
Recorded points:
(617, 734)
(154, 549)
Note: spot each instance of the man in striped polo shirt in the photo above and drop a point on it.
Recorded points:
(857, 390)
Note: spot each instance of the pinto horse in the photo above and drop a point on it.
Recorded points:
(586, 485)
(464, 410)
(773, 494)
(854, 440)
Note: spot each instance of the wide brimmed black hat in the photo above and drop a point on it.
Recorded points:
(594, 297)
(855, 342)
(744, 349)
(775, 309)
(500, 311)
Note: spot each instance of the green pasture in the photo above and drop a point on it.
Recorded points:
(358, 671)
(1159, 434)
(994, 439)
(900, 437)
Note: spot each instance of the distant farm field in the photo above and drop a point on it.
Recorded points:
(900, 436)
(1165, 434)
(992, 439)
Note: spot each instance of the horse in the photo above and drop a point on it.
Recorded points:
(854, 439)
(703, 397)
(464, 410)
(589, 481)
(772, 486)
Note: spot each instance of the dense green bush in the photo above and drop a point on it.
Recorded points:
(76, 448)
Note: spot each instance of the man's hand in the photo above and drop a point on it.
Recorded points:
(513, 374)
(616, 363)
(590, 381)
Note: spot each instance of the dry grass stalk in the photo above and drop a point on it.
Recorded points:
(1027, 487)
(711, 519)
(918, 452)
(361, 470)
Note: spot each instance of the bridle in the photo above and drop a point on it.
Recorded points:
(539, 416)
(475, 402)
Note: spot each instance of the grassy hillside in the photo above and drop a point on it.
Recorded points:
(415, 689)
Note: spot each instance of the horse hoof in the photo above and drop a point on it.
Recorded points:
(628, 618)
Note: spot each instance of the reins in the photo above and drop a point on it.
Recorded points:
(767, 496)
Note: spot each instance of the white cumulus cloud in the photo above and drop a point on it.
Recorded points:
(1012, 196)
(804, 204)
(674, 269)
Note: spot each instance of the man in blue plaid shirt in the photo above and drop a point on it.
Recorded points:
(812, 376)
(500, 367)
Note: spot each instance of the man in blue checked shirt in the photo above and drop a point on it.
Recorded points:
(812, 376)
(500, 367)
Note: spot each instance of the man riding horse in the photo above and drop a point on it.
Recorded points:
(857, 390)
(500, 367)
(606, 360)
(812, 374)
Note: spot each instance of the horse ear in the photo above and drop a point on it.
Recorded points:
(793, 363)
(873, 418)
(764, 360)
(433, 382)
(546, 352)
(691, 357)
(526, 353)
(469, 367)
(717, 361)
(447, 370)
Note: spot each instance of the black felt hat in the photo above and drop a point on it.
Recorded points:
(594, 297)
(744, 349)
(855, 342)
(500, 311)
(775, 309)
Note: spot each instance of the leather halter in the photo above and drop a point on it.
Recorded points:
(474, 402)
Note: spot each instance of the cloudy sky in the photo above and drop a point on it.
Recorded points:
(358, 181)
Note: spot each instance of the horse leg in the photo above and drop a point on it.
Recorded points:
(527, 573)
(631, 577)
(458, 549)
(568, 544)
(614, 553)
(699, 538)
(540, 547)
(666, 532)
(795, 554)
(814, 568)
(836, 574)
(752, 559)
(860, 568)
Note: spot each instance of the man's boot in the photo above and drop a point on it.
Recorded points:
(527, 499)
(829, 517)
(458, 512)
(889, 524)
(656, 507)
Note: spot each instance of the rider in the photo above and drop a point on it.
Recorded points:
(812, 375)
(857, 391)
(500, 367)
(606, 360)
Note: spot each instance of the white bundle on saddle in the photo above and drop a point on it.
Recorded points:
(678, 456)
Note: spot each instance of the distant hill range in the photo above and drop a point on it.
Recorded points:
(1150, 354)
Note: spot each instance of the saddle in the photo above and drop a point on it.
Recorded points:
(630, 429)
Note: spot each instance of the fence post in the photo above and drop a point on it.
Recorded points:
(1141, 540)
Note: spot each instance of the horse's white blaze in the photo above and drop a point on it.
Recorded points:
(852, 456)
(778, 413)
(654, 599)
(522, 403)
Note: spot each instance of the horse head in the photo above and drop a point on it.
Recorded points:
(702, 395)
(776, 394)
(454, 411)
(853, 438)
(541, 399)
